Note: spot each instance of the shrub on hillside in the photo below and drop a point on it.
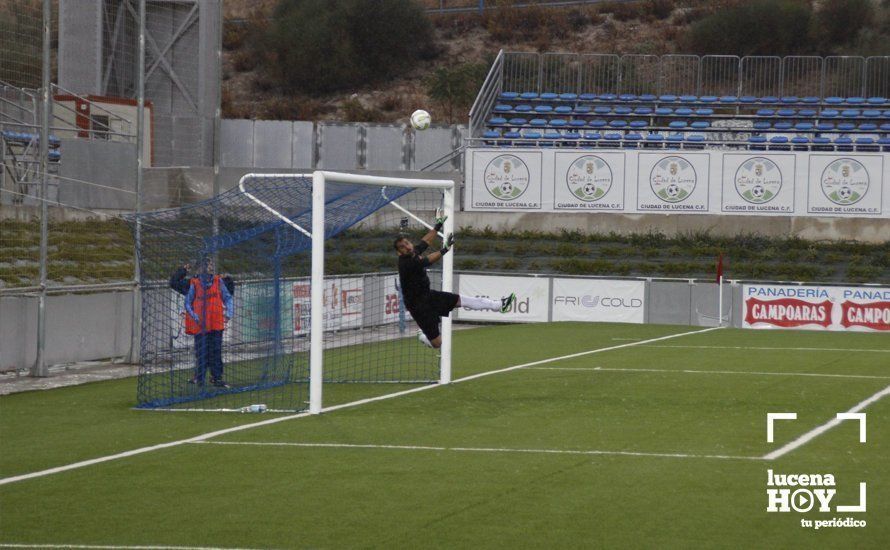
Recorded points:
(839, 21)
(455, 87)
(759, 27)
(320, 46)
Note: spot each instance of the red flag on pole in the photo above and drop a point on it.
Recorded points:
(719, 268)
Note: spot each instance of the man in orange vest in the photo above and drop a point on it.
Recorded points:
(208, 306)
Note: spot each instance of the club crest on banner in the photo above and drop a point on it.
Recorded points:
(673, 179)
(845, 181)
(758, 180)
(506, 177)
(589, 178)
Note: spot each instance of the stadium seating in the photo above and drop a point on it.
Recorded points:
(668, 120)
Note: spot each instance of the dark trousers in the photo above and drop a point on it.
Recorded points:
(208, 351)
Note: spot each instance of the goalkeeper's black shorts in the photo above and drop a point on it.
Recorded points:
(427, 310)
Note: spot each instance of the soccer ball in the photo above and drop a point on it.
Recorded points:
(673, 190)
(420, 119)
(757, 191)
(845, 193)
(506, 188)
(589, 189)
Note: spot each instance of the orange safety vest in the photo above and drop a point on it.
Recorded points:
(208, 306)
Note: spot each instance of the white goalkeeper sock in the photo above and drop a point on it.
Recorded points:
(471, 302)
(424, 340)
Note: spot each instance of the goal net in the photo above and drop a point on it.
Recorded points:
(284, 292)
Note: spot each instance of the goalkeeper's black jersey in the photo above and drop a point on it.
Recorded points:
(413, 279)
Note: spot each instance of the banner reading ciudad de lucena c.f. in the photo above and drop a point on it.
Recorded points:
(683, 182)
(817, 307)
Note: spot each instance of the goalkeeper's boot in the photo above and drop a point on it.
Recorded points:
(507, 303)
(423, 339)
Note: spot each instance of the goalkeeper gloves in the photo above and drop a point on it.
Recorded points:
(440, 219)
(449, 242)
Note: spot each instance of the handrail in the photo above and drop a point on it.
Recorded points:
(487, 94)
(93, 105)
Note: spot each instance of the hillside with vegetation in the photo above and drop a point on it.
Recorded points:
(365, 61)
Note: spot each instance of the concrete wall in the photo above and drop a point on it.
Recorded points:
(106, 163)
(80, 327)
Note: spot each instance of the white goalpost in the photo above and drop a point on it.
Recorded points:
(320, 204)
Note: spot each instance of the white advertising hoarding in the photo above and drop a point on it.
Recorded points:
(588, 181)
(343, 304)
(532, 297)
(673, 182)
(507, 181)
(598, 300)
(835, 308)
(845, 186)
(755, 184)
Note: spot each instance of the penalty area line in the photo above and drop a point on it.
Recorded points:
(690, 371)
(209, 435)
(819, 430)
(109, 547)
(477, 449)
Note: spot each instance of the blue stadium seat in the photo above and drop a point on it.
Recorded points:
(729, 99)
(747, 99)
(655, 137)
(708, 99)
(675, 138)
(806, 113)
(765, 112)
(866, 144)
(543, 109)
(518, 121)
(552, 135)
(782, 126)
(825, 126)
(643, 111)
(689, 98)
(593, 136)
(667, 98)
(677, 124)
(550, 138)
(757, 143)
(568, 96)
(779, 143)
(884, 142)
(502, 108)
(54, 155)
(497, 121)
(607, 97)
(597, 123)
(871, 113)
(834, 100)
(549, 96)
(885, 127)
(617, 123)
(886, 114)
(571, 136)
(810, 100)
(562, 109)
(800, 143)
(762, 125)
(654, 141)
(538, 122)
(577, 123)
(851, 113)
(582, 109)
(631, 140)
(769, 99)
(683, 111)
(822, 144)
(843, 143)
(509, 95)
(638, 124)
(587, 97)
(528, 95)
(700, 124)
(602, 109)
(622, 110)
(523, 108)
(868, 127)
(704, 111)
(828, 113)
(627, 97)
(491, 134)
(649, 98)
(787, 113)
(855, 100)
(789, 99)
(695, 138)
(664, 111)
(531, 134)
(612, 139)
(512, 135)
(846, 126)
(558, 122)
(804, 126)
(876, 100)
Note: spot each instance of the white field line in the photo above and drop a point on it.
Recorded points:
(756, 348)
(477, 449)
(103, 547)
(819, 430)
(690, 371)
(252, 425)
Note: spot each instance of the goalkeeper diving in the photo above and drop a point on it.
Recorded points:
(428, 306)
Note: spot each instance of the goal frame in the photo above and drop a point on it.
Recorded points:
(317, 233)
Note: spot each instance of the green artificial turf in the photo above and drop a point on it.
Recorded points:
(403, 482)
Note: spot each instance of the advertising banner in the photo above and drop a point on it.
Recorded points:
(845, 186)
(599, 300)
(587, 181)
(391, 303)
(757, 184)
(817, 307)
(673, 183)
(343, 304)
(506, 181)
(532, 297)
